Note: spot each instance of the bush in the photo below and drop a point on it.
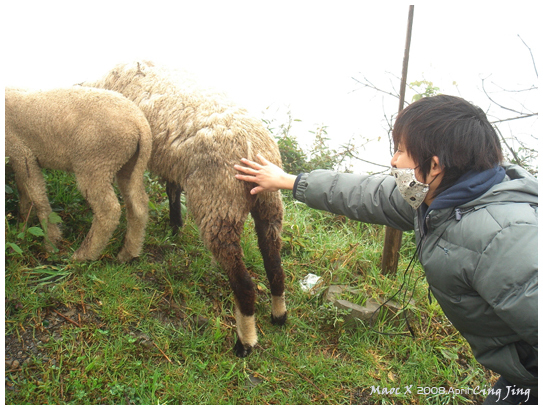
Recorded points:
(319, 155)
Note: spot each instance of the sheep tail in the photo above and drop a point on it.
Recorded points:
(141, 156)
(143, 151)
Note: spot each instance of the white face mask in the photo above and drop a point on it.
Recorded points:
(413, 191)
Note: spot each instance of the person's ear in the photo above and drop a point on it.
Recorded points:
(435, 168)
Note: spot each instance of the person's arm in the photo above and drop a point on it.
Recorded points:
(372, 199)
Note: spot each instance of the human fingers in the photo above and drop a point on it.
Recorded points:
(245, 169)
(256, 190)
(252, 164)
(263, 160)
(248, 178)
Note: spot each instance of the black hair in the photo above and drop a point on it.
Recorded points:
(454, 130)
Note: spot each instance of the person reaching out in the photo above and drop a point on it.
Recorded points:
(475, 222)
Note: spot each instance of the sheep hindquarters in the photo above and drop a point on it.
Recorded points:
(268, 217)
(221, 235)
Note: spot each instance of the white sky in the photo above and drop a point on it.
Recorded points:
(300, 54)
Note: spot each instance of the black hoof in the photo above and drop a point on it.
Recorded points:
(242, 351)
(280, 321)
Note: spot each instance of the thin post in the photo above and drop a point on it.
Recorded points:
(393, 237)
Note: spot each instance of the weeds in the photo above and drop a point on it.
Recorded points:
(160, 329)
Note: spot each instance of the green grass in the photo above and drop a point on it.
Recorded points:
(160, 330)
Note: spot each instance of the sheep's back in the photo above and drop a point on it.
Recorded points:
(196, 131)
(64, 127)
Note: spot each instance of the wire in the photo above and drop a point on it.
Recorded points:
(408, 270)
(404, 308)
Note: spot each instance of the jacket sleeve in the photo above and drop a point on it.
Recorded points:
(507, 278)
(367, 198)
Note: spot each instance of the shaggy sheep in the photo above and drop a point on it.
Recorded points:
(197, 138)
(96, 134)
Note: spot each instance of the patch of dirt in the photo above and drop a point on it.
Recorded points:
(29, 341)
(361, 397)
(155, 253)
(168, 311)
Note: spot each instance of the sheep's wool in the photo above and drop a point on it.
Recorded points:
(198, 137)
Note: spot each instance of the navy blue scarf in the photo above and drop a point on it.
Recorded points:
(469, 186)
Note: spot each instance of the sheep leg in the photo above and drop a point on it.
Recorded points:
(222, 237)
(268, 216)
(99, 193)
(32, 190)
(137, 209)
(173, 191)
(245, 296)
(245, 326)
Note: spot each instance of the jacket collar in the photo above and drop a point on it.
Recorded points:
(469, 187)
(518, 185)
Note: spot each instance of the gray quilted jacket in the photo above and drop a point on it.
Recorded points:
(480, 257)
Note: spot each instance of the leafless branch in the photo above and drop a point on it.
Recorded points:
(515, 118)
(365, 160)
(508, 147)
(531, 54)
(498, 104)
(531, 88)
(370, 85)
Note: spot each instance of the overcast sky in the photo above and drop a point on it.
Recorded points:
(276, 55)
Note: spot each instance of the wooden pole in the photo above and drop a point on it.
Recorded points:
(393, 237)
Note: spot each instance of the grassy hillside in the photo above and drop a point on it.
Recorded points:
(160, 330)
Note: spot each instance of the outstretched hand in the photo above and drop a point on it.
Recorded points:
(269, 177)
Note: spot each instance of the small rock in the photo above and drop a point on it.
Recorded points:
(8, 363)
(368, 312)
(70, 313)
(253, 381)
(334, 291)
(147, 343)
(15, 365)
(363, 313)
(199, 321)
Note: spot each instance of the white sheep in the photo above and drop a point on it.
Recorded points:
(197, 138)
(96, 134)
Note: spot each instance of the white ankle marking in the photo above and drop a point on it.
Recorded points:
(246, 328)
(278, 306)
